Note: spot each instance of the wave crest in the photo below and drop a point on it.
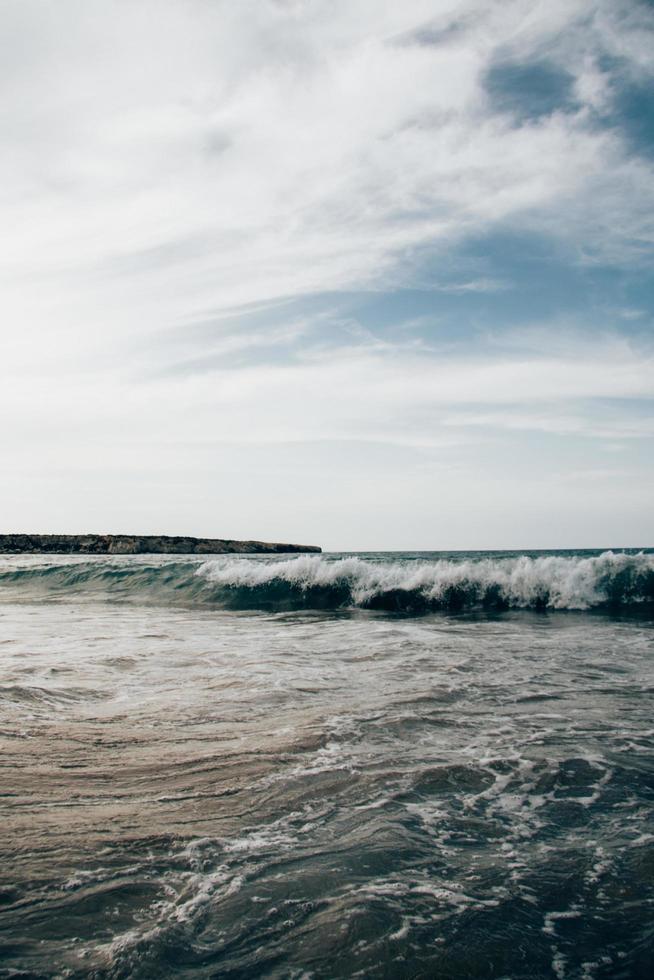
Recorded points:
(612, 580)
(549, 582)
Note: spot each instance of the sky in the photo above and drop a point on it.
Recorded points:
(357, 273)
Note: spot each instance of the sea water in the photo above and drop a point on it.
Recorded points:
(384, 766)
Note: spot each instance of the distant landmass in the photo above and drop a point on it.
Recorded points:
(137, 544)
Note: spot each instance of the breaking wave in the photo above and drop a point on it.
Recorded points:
(612, 580)
(551, 582)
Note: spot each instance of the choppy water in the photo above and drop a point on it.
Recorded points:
(382, 766)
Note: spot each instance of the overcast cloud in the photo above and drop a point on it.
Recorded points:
(364, 274)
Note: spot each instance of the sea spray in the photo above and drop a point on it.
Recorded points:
(548, 582)
(401, 583)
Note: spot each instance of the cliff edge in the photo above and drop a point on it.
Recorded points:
(136, 544)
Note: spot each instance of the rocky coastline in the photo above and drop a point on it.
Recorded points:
(137, 544)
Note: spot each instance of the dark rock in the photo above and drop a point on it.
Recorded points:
(136, 544)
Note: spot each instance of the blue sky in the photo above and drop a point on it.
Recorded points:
(364, 274)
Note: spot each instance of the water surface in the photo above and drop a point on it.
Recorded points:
(377, 766)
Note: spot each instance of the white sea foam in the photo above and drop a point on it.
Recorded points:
(552, 581)
(401, 583)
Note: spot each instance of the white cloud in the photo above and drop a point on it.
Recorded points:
(166, 162)
(218, 154)
(359, 393)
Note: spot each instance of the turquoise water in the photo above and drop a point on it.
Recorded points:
(332, 766)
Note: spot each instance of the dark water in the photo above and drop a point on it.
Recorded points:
(385, 766)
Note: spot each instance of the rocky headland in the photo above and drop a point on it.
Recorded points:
(136, 544)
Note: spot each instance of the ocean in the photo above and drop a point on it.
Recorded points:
(435, 765)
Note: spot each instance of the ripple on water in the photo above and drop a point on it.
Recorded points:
(201, 794)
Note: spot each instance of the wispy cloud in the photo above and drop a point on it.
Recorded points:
(189, 189)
